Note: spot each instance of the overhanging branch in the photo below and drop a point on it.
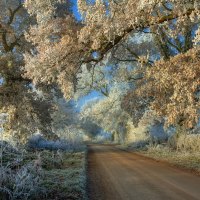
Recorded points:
(109, 45)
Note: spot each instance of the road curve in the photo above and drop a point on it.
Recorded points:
(114, 174)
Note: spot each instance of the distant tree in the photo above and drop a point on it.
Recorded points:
(89, 128)
(107, 112)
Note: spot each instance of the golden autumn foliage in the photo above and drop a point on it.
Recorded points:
(174, 87)
(43, 45)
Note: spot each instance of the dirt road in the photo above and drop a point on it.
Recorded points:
(114, 174)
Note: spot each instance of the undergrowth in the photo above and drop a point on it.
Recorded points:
(182, 149)
(185, 159)
(41, 174)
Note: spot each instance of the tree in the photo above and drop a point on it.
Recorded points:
(172, 25)
(28, 106)
(107, 112)
(175, 86)
(108, 23)
(57, 55)
(63, 46)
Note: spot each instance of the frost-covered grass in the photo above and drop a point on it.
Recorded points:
(188, 142)
(181, 149)
(161, 152)
(42, 174)
(181, 158)
(67, 180)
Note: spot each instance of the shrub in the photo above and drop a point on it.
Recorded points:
(20, 178)
(189, 142)
(20, 184)
(184, 140)
(38, 142)
(173, 139)
(41, 174)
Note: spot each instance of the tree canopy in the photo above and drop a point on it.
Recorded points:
(152, 46)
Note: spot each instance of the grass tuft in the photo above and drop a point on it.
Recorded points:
(41, 174)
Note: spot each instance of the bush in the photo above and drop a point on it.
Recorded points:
(38, 142)
(20, 178)
(173, 139)
(189, 142)
(184, 140)
(20, 184)
(41, 174)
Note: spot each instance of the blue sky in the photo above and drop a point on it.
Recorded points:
(92, 96)
(75, 10)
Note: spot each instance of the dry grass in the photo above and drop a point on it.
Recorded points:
(184, 159)
(41, 174)
(189, 142)
(182, 150)
(66, 181)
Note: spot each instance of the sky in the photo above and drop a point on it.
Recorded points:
(92, 96)
(75, 10)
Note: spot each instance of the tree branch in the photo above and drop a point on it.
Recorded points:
(12, 13)
(109, 45)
